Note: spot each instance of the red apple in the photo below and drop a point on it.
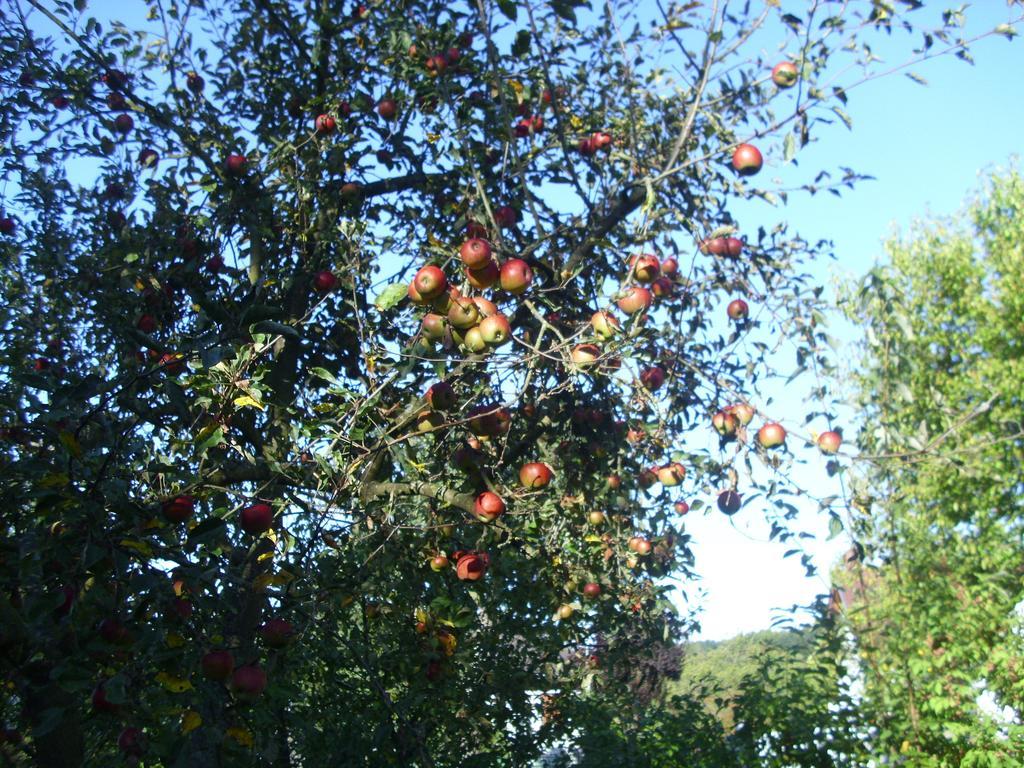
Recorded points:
(132, 741)
(117, 102)
(350, 192)
(601, 140)
(7, 225)
(785, 74)
(516, 276)
(496, 330)
(771, 435)
(324, 281)
(652, 378)
(325, 125)
(179, 509)
(100, 702)
(584, 355)
(681, 507)
(146, 324)
(829, 442)
(172, 363)
(647, 478)
(114, 632)
(737, 309)
(236, 165)
(671, 475)
(489, 420)
(123, 124)
(470, 566)
(114, 79)
(640, 545)
(430, 282)
(463, 314)
(743, 412)
(441, 396)
(488, 507)
(438, 563)
(725, 423)
(257, 518)
(277, 633)
(591, 589)
(505, 216)
(148, 158)
(662, 288)
(434, 326)
(475, 253)
(747, 160)
(428, 421)
(387, 108)
(604, 324)
(249, 681)
(485, 307)
(586, 147)
(485, 277)
(669, 267)
(729, 502)
(194, 82)
(645, 267)
(217, 665)
(635, 299)
(613, 482)
(529, 125)
(535, 475)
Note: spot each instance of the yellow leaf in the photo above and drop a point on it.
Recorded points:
(190, 721)
(433, 137)
(206, 431)
(556, 560)
(242, 735)
(172, 683)
(54, 480)
(68, 441)
(174, 640)
(245, 400)
(137, 546)
(264, 557)
(283, 577)
(261, 582)
(516, 86)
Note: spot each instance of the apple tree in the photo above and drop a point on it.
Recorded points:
(361, 362)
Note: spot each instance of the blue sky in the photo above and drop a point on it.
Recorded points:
(928, 149)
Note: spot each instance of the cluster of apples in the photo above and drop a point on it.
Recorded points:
(729, 422)
(473, 322)
(655, 279)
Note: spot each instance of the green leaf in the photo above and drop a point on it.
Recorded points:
(215, 438)
(205, 528)
(509, 8)
(847, 120)
(323, 373)
(390, 296)
(521, 46)
(789, 148)
(835, 526)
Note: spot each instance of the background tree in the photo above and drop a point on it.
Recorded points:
(319, 448)
(933, 603)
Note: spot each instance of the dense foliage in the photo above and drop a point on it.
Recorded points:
(934, 598)
(360, 364)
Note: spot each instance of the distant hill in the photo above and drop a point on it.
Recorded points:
(713, 670)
